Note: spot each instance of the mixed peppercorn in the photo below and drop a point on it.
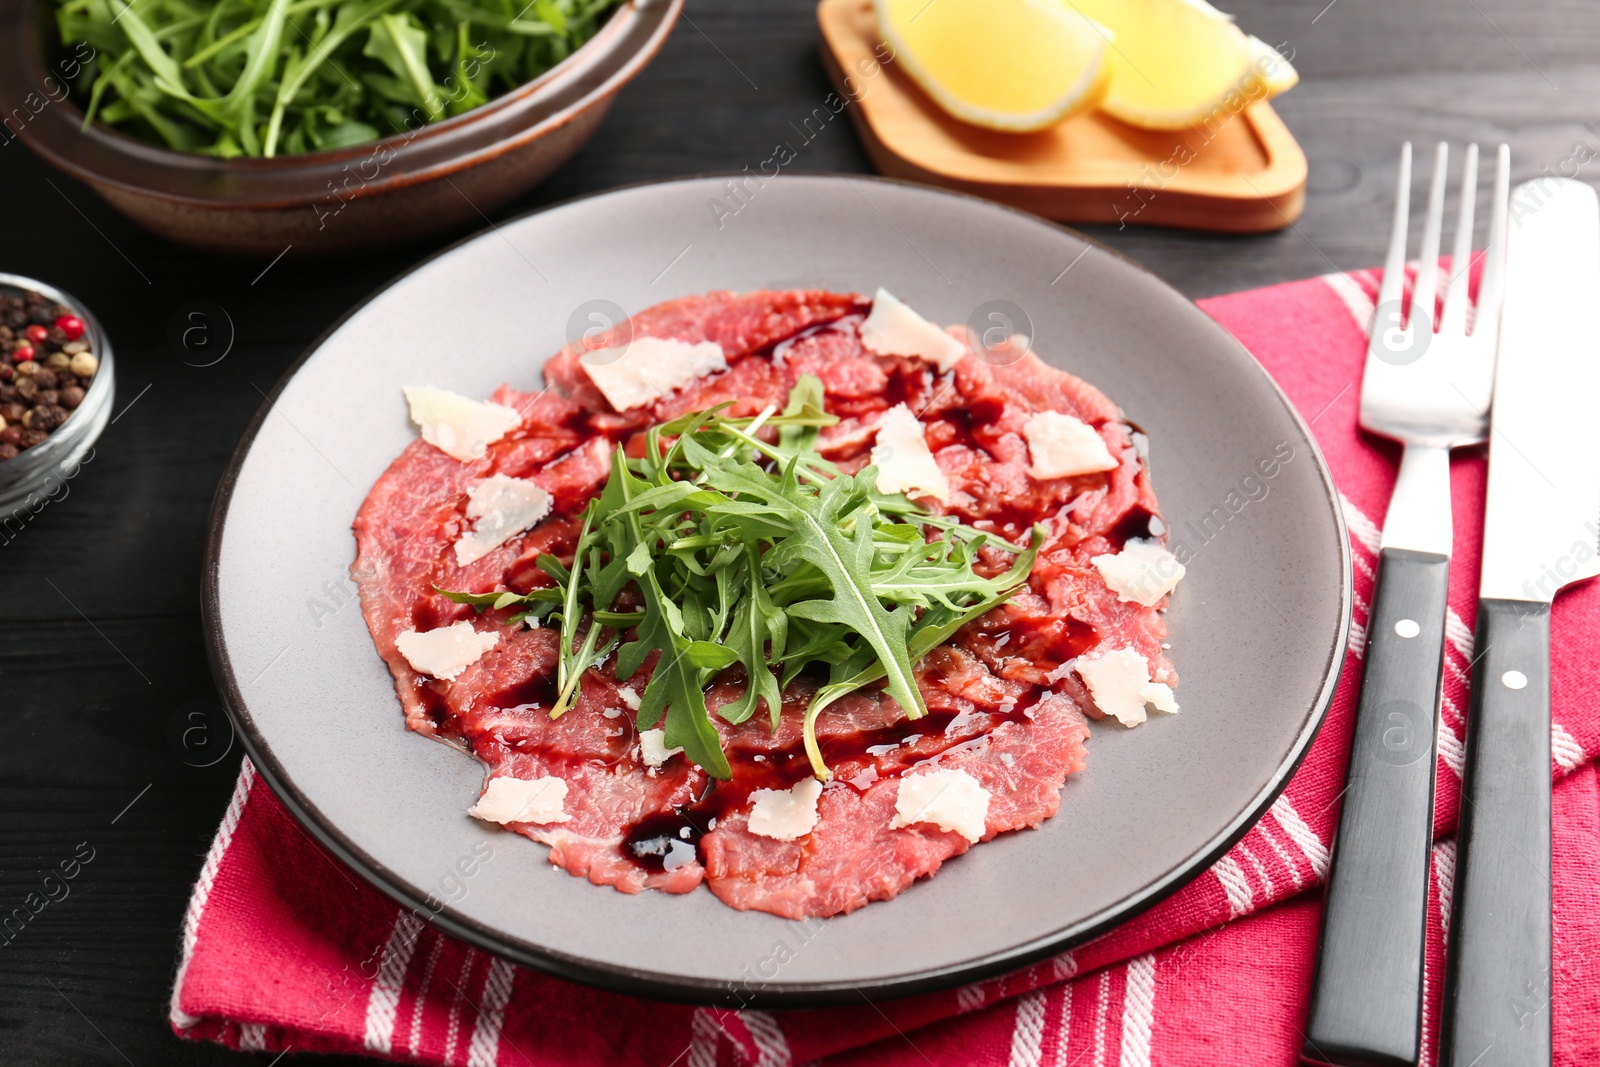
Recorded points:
(45, 369)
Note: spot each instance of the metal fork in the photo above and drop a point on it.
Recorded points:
(1428, 386)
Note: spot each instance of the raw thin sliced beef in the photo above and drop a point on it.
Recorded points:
(1005, 703)
(853, 857)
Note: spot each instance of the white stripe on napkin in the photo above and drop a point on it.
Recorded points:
(484, 1048)
(1027, 1035)
(1234, 886)
(383, 998)
(1138, 1011)
(202, 888)
(1316, 852)
(772, 1045)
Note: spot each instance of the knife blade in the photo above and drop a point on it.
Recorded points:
(1542, 519)
(1541, 533)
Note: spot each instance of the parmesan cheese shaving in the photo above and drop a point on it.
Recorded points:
(1142, 573)
(1159, 695)
(499, 508)
(649, 368)
(536, 800)
(457, 425)
(785, 814)
(1062, 446)
(446, 651)
(904, 461)
(653, 748)
(1119, 681)
(893, 329)
(952, 800)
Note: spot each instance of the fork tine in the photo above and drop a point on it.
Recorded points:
(1454, 317)
(1427, 284)
(1487, 322)
(1394, 265)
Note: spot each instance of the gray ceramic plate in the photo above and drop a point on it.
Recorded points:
(1258, 627)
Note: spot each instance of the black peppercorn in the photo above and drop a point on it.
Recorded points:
(9, 451)
(45, 417)
(46, 378)
(27, 389)
(71, 397)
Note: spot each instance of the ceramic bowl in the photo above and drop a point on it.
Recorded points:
(438, 178)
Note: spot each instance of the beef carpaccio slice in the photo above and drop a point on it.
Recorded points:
(1002, 706)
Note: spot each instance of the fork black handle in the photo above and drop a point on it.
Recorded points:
(1497, 980)
(1366, 1002)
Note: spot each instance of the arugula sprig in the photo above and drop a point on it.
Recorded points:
(720, 548)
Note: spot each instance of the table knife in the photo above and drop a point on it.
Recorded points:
(1540, 534)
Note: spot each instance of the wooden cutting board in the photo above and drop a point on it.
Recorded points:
(1240, 173)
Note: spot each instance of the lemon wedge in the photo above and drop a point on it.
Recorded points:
(1276, 73)
(1180, 63)
(1016, 65)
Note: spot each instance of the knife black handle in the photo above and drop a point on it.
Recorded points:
(1366, 1002)
(1497, 980)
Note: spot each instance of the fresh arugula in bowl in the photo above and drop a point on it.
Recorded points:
(722, 548)
(272, 77)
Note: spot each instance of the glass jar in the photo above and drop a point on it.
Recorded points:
(39, 475)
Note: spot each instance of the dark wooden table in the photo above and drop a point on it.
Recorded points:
(101, 656)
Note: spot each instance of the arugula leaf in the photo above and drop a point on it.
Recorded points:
(400, 43)
(149, 49)
(932, 630)
(677, 684)
(350, 18)
(806, 398)
(484, 601)
(843, 554)
(758, 624)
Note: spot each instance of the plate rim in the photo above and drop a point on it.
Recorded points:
(660, 985)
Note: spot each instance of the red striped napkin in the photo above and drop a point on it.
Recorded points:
(283, 948)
